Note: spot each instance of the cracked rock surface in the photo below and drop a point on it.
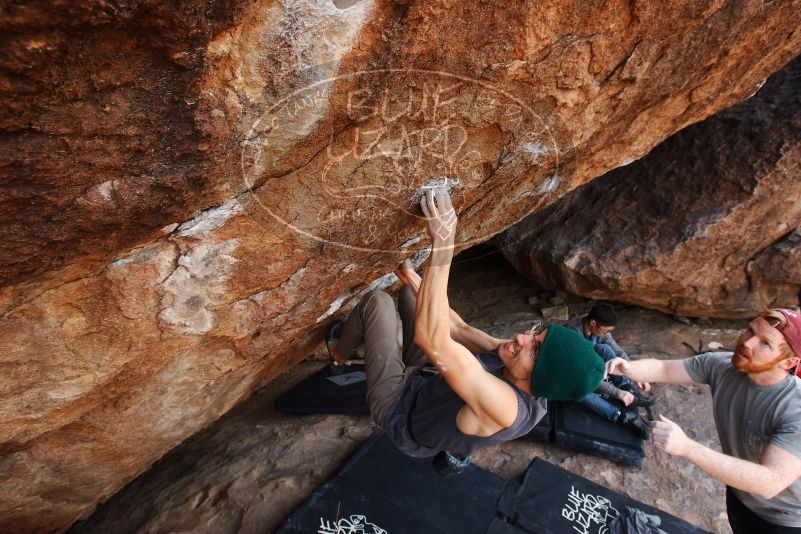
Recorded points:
(191, 189)
(705, 225)
(250, 469)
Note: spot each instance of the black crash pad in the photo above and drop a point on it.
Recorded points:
(327, 392)
(583, 430)
(551, 499)
(571, 425)
(380, 490)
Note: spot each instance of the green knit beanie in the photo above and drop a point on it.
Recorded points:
(567, 367)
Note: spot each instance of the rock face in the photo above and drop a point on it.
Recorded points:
(703, 225)
(192, 189)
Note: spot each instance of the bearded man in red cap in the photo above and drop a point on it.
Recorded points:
(756, 398)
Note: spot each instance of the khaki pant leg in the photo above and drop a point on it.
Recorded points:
(413, 356)
(373, 325)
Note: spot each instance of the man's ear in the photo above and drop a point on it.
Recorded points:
(789, 364)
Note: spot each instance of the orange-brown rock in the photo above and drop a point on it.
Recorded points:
(776, 271)
(191, 189)
(702, 226)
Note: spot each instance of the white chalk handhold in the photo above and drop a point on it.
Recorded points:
(441, 182)
(549, 185)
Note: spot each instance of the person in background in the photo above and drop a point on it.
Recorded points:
(616, 392)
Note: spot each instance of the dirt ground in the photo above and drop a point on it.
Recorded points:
(247, 472)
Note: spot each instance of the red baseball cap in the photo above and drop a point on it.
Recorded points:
(791, 330)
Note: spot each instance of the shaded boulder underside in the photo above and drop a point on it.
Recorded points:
(704, 225)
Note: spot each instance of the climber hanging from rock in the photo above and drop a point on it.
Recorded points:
(452, 388)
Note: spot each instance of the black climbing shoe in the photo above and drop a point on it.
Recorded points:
(635, 423)
(332, 334)
(447, 464)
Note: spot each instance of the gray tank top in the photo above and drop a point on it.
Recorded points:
(423, 421)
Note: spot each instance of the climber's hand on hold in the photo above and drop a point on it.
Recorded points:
(440, 216)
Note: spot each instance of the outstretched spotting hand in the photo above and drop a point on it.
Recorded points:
(617, 366)
(669, 437)
(440, 215)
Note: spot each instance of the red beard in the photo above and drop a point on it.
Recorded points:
(741, 360)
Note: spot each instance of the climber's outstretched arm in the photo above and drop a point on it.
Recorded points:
(491, 402)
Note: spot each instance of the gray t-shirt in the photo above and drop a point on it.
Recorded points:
(748, 417)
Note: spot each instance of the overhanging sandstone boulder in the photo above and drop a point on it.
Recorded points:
(190, 192)
(697, 227)
(775, 273)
